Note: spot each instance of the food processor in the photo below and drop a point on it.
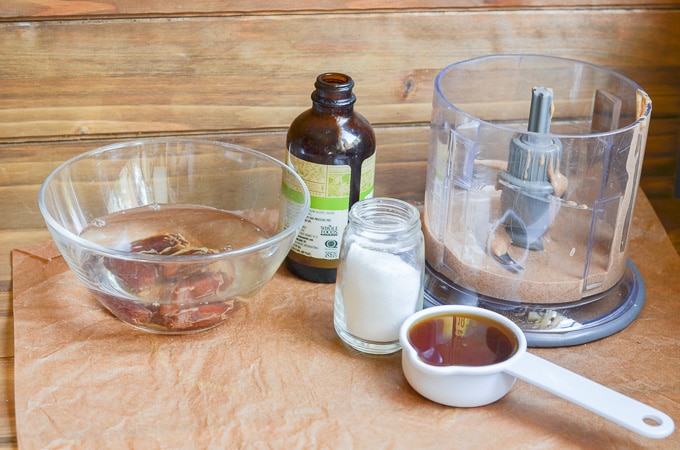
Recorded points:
(533, 169)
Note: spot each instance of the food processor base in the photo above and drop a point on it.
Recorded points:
(553, 324)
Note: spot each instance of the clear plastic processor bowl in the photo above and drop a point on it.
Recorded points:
(533, 170)
(172, 235)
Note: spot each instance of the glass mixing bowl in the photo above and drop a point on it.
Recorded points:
(172, 235)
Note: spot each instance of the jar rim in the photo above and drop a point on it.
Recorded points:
(385, 215)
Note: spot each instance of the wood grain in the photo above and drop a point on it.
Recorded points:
(47, 9)
(101, 77)
(98, 78)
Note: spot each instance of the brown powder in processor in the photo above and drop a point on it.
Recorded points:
(557, 274)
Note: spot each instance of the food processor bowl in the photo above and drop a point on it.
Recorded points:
(533, 169)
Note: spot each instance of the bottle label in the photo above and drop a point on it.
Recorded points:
(367, 178)
(329, 188)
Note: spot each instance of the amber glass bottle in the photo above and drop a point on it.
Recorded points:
(333, 149)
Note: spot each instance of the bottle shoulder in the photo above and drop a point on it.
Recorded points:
(322, 134)
(313, 118)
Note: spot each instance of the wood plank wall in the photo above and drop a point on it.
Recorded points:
(78, 74)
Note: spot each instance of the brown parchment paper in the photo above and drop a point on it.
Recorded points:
(274, 376)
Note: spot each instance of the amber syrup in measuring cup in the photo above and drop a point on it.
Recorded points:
(462, 340)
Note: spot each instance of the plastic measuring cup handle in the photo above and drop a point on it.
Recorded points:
(612, 405)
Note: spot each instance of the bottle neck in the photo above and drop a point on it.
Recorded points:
(334, 90)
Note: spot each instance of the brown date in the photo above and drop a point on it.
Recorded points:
(160, 244)
(198, 285)
(181, 285)
(186, 318)
(126, 310)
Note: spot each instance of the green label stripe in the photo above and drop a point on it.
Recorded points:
(292, 194)
(326, 203)
(367, 177)
(365, 195)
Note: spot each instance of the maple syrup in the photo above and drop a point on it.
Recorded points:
(462, 339)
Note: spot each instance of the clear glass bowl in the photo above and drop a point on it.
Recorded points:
(172, 235)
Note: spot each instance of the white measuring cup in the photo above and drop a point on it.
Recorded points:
(470, 386)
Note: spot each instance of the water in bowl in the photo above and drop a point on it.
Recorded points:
(171, 295)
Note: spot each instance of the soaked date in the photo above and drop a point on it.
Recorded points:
(178, 286)
(171, 317)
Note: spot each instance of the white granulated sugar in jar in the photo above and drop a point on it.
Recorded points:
(379, 291)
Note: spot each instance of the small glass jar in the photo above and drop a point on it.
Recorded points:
(380, 274)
